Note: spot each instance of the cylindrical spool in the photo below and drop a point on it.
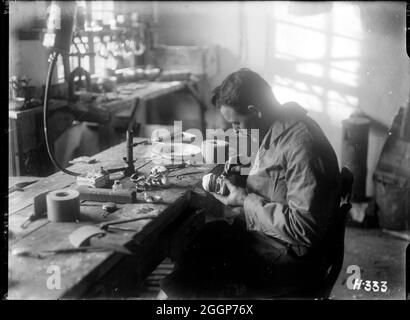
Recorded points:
(215, 151)
(354, 153)
(63, 205)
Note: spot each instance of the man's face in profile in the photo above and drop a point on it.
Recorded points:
(249, 120)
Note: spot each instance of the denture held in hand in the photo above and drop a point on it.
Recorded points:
(213, 183)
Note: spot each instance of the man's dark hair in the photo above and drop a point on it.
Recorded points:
(241, 89)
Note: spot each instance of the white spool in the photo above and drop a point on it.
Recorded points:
(63, 205)
(215, 151)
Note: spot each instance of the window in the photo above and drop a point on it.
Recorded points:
(316, 58)
(101, 11)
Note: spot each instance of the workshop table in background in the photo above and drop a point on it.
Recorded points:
(26, 131)
(136, 92)
(99, 274)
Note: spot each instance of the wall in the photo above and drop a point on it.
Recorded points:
(333, 63)
(27, 57)
(203, 24)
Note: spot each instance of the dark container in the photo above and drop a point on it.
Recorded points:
(392, 178)
(392, 185)
(354, 153)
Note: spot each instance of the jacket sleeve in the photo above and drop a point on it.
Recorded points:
(303, 219)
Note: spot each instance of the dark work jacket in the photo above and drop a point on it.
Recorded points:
(294, 184)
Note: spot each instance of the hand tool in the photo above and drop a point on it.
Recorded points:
(106, 225)
(185, 174)
(176, 166)
(19, 186)
(30, 219)
(109, 207)
(141, 142)
(122, 169)
(24, 252)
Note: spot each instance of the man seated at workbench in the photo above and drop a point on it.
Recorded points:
(277, 242)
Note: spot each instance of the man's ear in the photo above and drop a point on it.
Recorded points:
(253, 109)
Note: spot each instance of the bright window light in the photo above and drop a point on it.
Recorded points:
(316, 58)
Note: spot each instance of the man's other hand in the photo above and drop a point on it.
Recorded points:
(235, 198)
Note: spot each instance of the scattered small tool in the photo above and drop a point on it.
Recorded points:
(19, 186)
(106, 225)
(109, 207)
(151, 199)
(172, 167)
(145, 142)
(24, 252)
(156, 178)
(117, 185)
(136, 178)
(29, 220)
(185, 174)
(159, 170)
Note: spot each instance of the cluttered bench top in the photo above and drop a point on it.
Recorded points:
(29, 275)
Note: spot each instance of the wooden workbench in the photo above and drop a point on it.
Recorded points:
(98, 274)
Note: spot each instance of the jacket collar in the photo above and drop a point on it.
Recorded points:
(290, 114)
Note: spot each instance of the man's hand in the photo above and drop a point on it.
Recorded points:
(235, 198)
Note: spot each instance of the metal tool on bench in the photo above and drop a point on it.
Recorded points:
(40, 254)
(129, 159)
(106, 225)
(185, 174)
(31, 218)
(20, 186)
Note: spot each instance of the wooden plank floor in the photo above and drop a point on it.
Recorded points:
(151, 288)
(379, 256)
